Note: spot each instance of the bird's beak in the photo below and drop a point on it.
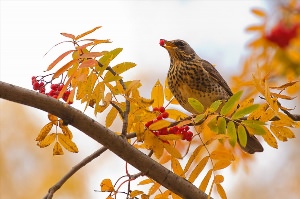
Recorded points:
(166, 44)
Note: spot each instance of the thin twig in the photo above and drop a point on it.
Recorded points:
(85, 161)
(118, 109)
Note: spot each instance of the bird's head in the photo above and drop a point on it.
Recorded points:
(178, 49)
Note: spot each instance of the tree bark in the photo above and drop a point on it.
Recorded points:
(104, 136)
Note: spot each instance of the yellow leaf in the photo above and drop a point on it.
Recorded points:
(205, 181)
(91, 54)
(148, 116)
(258, 113)
(258, 12)
(270, 139)
(159, 124)
(107, 186)
(195, 173)
(267, 115)
(221, 164)
(284, 86)
(44, 131)
(111, 116)
(170, 137)
(174, 196)
(57, 150)
(177, 167)
(53, 118)
(221, 125)
(146, 181)
(221, 155)
(221, 191)
(286, 97)
(197, 106)
(135, 193)
(47, 141)
(259, 28)
(67, 143)
(86, 33)
(168, 93)
(153, 188)
(286, 132)
(153, 143)
(172, 151)
(175, 114)
(65, 129)
(157, 94)
(106, 59)
(139, 129)
(119, 69)
(196, 152)
(218, 179)
(133, 85)
(277, 133)
(144, 196)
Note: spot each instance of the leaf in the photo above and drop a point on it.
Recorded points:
(44, 131)
(153, 188)
(254, 126)
(231, 132)
(107, 186)
(107, 58)
(146, 181)
(284, 86)
(133, 85)
(286, 97)
(153, 143)
(59, 59)
(221, 125)
(120, 68)
(244, 111)
(195, 173)
(57, 150)
(286, 132)
(170, 137)
(88, 63)
(197, 106)
(196, 152)
(64, 68)
(135, 193)
(53, 118)
(67, 143)
(258, 12)
(198, 118)
(47, 141)
(231, 103)
(277, 133)
(255, 115)
(91, 54)
(111, 116)
(221, 164)
(215, 105)
(175, 114)
(218, 179)
(221, 191)
(86, 33)
(260, 28)
(205, 180)
(270, 139)
(176, 167)
(168, 93)
(112, 79)
(242, 136)
(66, 131)
(212, 124)
(157, 94)
(172, 151)
(68, 35)
(159, 125)
(221, 155)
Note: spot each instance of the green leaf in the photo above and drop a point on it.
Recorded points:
(221, 125)
(255, 126)
(231, 132)
(212, 124)
(111, 78)
(197, 106)
(198, 118)
(107, 58)
(119, 69)
(244, 111)
(215, 105)
(231, 103)
(242, 135)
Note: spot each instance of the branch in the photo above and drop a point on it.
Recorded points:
(104, 136)
(81, 164)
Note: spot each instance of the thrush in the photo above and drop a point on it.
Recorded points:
(189, 76)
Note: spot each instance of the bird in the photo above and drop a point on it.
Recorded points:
(190, 76)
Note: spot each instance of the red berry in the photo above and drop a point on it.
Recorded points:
(54, 86)
(42, 84)
(162, 42)
(155, 109)
(42, 90)
(149, 123)
(163, 131)
(55, 96)
(186, 128)
(159, 117)
(162, 109)
(36, 86)
(165, 114)
(33, 78)
(60, 87)
(52, 92)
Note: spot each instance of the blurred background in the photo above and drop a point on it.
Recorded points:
(215, 29)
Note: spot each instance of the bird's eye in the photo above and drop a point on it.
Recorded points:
(179, 43)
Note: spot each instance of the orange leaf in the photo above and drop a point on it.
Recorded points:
(258, 12)
(221, 191)
(256, 28)
(200, 166)
(88, 63)
(177, 167)
(269, 138)
(218, 179)
(57, 150)
(107, 186)
(67, 143)
(64, 68)
(153, 188)
(68, 35)
(221, 164)
(196, 152)
(83, 47)
(44, 131)
(284, 85)
(205, 181)
(91, 54)
(172, 151)
(221, 155)
(87, 32)
(59, 59)
(47, 141)
(53, 118)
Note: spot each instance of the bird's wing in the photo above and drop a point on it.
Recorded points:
(216, 75)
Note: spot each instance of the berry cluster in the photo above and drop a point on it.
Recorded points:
(281, 34)
(55, 88)
(183, 130)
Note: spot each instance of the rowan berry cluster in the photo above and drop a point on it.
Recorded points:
(183, 130)
(40, 85)
(282, 34)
